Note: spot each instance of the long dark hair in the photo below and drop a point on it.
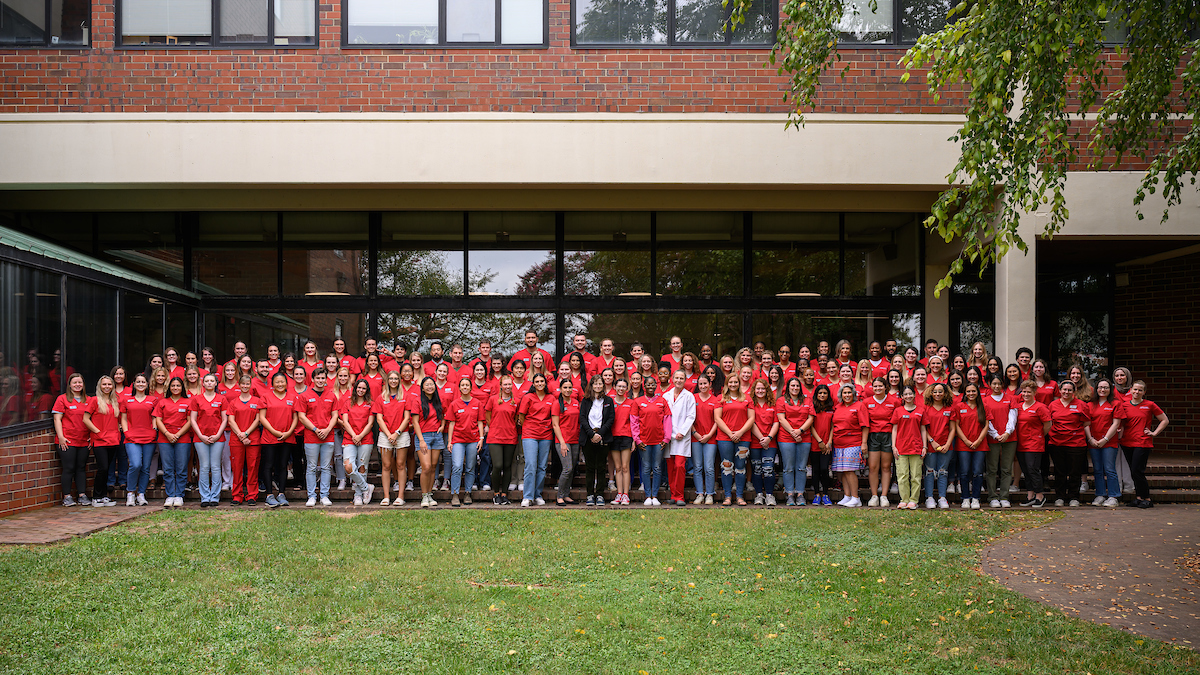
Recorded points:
(980, 413)
(436, 401)
(563, 402)
(819, 405)
(182, 386)
(715, 376)
(787, 391)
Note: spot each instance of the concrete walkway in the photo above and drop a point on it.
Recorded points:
(1112, 566)
(55, 523)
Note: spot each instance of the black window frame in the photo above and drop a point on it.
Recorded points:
(47, 38)
(897, 31)
(671, 43)
(215, 32)
(442, 43)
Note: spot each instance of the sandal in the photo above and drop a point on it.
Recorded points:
(741, 502)
(727, 502)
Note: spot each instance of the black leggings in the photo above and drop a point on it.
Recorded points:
(1069, 463)
(272, 465)
(74, 468)
(1137, 458)
(104, 455)
(820, 463)
(595, 457)
(502, 460)
(1031, 470)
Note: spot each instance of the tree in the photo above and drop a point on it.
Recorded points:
(1042, 97)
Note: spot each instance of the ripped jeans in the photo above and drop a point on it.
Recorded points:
(936, 464)
(762, 464)
(733, 466)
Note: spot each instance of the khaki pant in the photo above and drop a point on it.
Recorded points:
(909, 469)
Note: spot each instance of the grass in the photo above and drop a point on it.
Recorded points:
(697, 591)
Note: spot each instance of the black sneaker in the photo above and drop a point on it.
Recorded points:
(1134, 503)
(1038, 503)
(251, 502)
(236, 502)
(1029, 502)
(1145, 504)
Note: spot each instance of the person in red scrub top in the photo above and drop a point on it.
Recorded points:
(1068, 443)
(280, 419)
(1033, 423)
(103, 420)
(172, 418)
(209, 420)
(622, 443)
(74, 440)
(850, 430)
(500, 416)
(1144, 421)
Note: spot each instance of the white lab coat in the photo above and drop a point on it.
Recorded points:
(683, 416)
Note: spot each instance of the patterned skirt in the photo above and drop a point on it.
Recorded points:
(846, 459)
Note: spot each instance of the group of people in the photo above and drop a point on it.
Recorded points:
(966, 425)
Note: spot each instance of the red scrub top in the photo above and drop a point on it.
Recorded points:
(537, 414)
(318, 407)
(279, 414)
(72, 410)
(907, 424)
(650, 414)
(243, 414)
(879, 413)
(503, 426)
(848, 421)
(175, 415)
(734, 414)
(1029, 427)
(208, 413)
(466, 416)
(568, 419)
(1138, 418)
(765, 416)
(1067, 423)
(108, 423)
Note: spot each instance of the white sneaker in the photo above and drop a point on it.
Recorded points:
(367, 497)
(432, 501)
(699, 499)
(521, 486)
(525, 502)
(396, 486)
(342, 484)
(1111, 501)
(325, 501)
(129, 497)
(312, 501)
(1074, 502)
(408, 487)
(708, 499)
(966, 504)
(169, 503)
(895, 489)
(854, 503)
(943, 504)
(383, 502)
(950, 489)
(1005, 504)
(141, 499)
(995, 504)
(539, 501)
(758, 499)
(845, 499)
(1098, 501)
(649, 501)
(883, 502)
(1083, 486)
(357, 500)
(770, 500)
(1059, 502)
(425, 501)
(612, 486)
(512, 486)
(930, 503)
(975, 504)
(656, 502)
(874, 501)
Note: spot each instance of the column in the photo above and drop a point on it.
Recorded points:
(1016, 293)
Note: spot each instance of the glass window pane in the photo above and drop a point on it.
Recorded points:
(386, 22)
(759, 27)
(506, 331)
(921, 17)
(607, 253)
(73, 230)
(141, 331)
(796, 254)
(91, 331)
(421, 253)
(699, 253)
(882, 250)
(295, 22)
(29, 338)
(166, 22)
(181, 329)
(69, 22)
(470, 20)
(970, 332)
(522, 22)
(699, 21)
(147, 243)
(244, 21)
(654, 331)
(23, 22)
(311, 266)
(798, 330)
(861, 24)
(236, 254)
(1079, 338)
(621, 21)
(512, 253)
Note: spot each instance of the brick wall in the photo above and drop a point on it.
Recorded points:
(29, 472)
(1158, 328)
(333, 79)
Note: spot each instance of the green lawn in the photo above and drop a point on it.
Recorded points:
(660, 591)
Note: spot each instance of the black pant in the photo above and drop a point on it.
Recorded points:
(502, 460)
(1137, 458)
(272, 466)
(104, 454)
(1068, 470)
(299, 465)
(1031, 470)
(820, 463)
(595, 457)
(74, 469)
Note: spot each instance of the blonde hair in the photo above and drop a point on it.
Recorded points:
(102, 401)
(862, 376)
(971, 356)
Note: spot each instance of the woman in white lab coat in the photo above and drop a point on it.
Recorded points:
(679, 446)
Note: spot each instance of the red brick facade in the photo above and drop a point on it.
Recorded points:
(350, 80)
(1158, 328)
(29, 472)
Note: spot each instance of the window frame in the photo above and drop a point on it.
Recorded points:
(215, 32)
(46, 42)
(897, 31)
(442, 43)
(672, 44)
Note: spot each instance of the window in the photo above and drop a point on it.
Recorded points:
(511, 253)
(671, 22)
(30, 311)
(699, 253)
(419, 23)
(193, 23)
(311, 266)
(893, 21)
(607, 253)
(45, 23)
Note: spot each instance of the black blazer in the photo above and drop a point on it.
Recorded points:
(606, 422)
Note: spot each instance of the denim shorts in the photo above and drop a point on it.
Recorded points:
(434, 440)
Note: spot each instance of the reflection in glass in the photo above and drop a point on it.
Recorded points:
(147, 243)
(69, 228)
(759, 26)
(506, 331)
(22, 23)
(421, 253)
(522, 22)
(862, 24)
(621, 21)
(1080, 338)
(970, 332)
(258, 331)
(30, 312)
(311, 264)
(243, 21)
(654, 331)
(512, 253)
(295, 22)
(699, 253)
(386, 22)
(141, 331)
(607, 253)
(91, 331)
(921, 17)
(470, 20)
(236, 254)
(796, 253)
(882, 251)
(699, 21)
(181, 329)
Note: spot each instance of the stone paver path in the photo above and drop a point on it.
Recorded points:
(1112, 566)
(55, 523)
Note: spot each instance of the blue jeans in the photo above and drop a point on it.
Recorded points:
(704, 460)
(209, 455)
(795, 461)
(139, 455)
(485, 467)
(763, 462)
(537, 451)
(651, 469)
(1104, 466)
(733, 466)
(174, 458)
(970, 472)
(935, 471)
(317, 460)
(464, 463)
(118, 466)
